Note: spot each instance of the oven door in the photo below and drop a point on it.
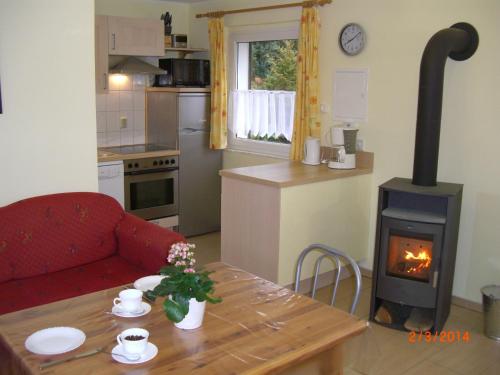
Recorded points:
(152, 195)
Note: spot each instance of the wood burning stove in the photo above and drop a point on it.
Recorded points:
(417, 221)
(417, 231)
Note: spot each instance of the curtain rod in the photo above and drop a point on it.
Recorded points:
(221, 13)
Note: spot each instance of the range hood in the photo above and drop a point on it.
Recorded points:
(132, 65)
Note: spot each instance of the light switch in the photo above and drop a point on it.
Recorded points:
(324, 108)
(123, 122)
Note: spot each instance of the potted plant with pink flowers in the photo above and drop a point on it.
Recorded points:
(187, 289)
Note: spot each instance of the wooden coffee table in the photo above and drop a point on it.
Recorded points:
(259, 328)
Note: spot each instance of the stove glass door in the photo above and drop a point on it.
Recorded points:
(152, 195)
(409, 257)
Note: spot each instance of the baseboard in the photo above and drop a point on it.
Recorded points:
(467, 304)
(324, 279)
(457, 301)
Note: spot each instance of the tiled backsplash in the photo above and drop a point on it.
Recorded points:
(125, 99)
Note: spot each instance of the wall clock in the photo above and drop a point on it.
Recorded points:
(352, 39)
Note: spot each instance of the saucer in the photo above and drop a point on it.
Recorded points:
(148, 282)
(146, 308)
(149, 354)
(55, 340)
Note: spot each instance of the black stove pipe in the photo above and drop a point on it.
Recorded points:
(459, 42)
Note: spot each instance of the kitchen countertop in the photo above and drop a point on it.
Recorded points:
(103, 155)
(179, 89)
(293, 173)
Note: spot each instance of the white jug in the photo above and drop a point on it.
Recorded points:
(311, 151)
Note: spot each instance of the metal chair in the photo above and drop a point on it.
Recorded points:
(336, 256)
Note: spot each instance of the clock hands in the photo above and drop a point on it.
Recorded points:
(355, 36)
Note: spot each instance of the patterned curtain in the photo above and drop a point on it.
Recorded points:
(218, 79)
(306, 116)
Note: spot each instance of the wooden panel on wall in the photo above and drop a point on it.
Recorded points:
(250, 227)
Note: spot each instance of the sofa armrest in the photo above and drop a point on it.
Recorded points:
(144, 244)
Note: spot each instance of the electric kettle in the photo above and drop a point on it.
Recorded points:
(311, 151)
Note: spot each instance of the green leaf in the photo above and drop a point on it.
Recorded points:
(173, 310)
(214, 299)
(183, 302)
(151, 295)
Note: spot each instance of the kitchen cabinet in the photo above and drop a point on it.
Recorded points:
(135, 36)
(101, 54)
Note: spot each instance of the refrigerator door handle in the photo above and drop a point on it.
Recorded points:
(192, 131)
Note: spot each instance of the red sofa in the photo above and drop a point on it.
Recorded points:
(63, 245)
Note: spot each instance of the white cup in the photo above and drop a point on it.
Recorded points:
(131, 341)
(129, 300)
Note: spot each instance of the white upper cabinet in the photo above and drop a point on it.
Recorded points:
(101, 54)
(135, 36)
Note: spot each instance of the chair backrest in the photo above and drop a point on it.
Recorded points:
(337, 256)
(53, 232)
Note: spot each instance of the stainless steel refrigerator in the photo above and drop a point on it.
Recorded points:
(182, 120)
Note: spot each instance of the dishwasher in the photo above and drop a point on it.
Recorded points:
(111, 180)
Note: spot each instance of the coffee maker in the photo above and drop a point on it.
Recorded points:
(343, 140)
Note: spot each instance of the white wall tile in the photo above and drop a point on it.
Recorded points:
(113, 138)
(126, 84)
(126, 137)
(139, 82)
(139, 120)
(126, 100)
(113, 83)
(130, 119)
(101, 122)
(139, 136)
(139, 100)
(119, 82)
(101, 102)
(101, 139)
(113, 101)
(112, 121)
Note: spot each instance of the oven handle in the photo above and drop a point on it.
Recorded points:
(149, 171)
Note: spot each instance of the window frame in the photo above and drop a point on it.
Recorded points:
(257, 33)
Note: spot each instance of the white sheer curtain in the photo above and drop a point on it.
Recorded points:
(263, 112)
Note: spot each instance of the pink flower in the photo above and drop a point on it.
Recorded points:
(180, 255)
(189, 270)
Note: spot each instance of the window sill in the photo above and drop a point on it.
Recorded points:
(269, 149)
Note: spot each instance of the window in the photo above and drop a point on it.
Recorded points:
(262, 98)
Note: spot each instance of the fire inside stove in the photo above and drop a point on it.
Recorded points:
(409, 257)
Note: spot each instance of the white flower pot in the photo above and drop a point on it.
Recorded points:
(194, 318)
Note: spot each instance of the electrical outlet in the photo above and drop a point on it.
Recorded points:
(360, 144)
(324, 108)
(123, 122)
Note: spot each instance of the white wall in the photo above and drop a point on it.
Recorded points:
(397, 32)
(47, 129)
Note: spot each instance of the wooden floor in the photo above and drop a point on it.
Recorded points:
(386, 351)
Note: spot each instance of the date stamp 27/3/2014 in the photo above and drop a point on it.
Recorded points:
(448, 337)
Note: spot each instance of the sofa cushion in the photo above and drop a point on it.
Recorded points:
(54, 232)
(103, 274)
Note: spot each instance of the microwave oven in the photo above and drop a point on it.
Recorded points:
(184, 73)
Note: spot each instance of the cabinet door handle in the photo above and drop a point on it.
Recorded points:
(113, 36)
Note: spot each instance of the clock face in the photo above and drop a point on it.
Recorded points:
(352, 39)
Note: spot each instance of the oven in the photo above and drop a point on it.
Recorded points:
(151, 187)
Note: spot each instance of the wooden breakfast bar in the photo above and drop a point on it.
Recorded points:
(259, 328)
(271, 212)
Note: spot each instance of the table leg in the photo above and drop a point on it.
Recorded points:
(331, 361)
